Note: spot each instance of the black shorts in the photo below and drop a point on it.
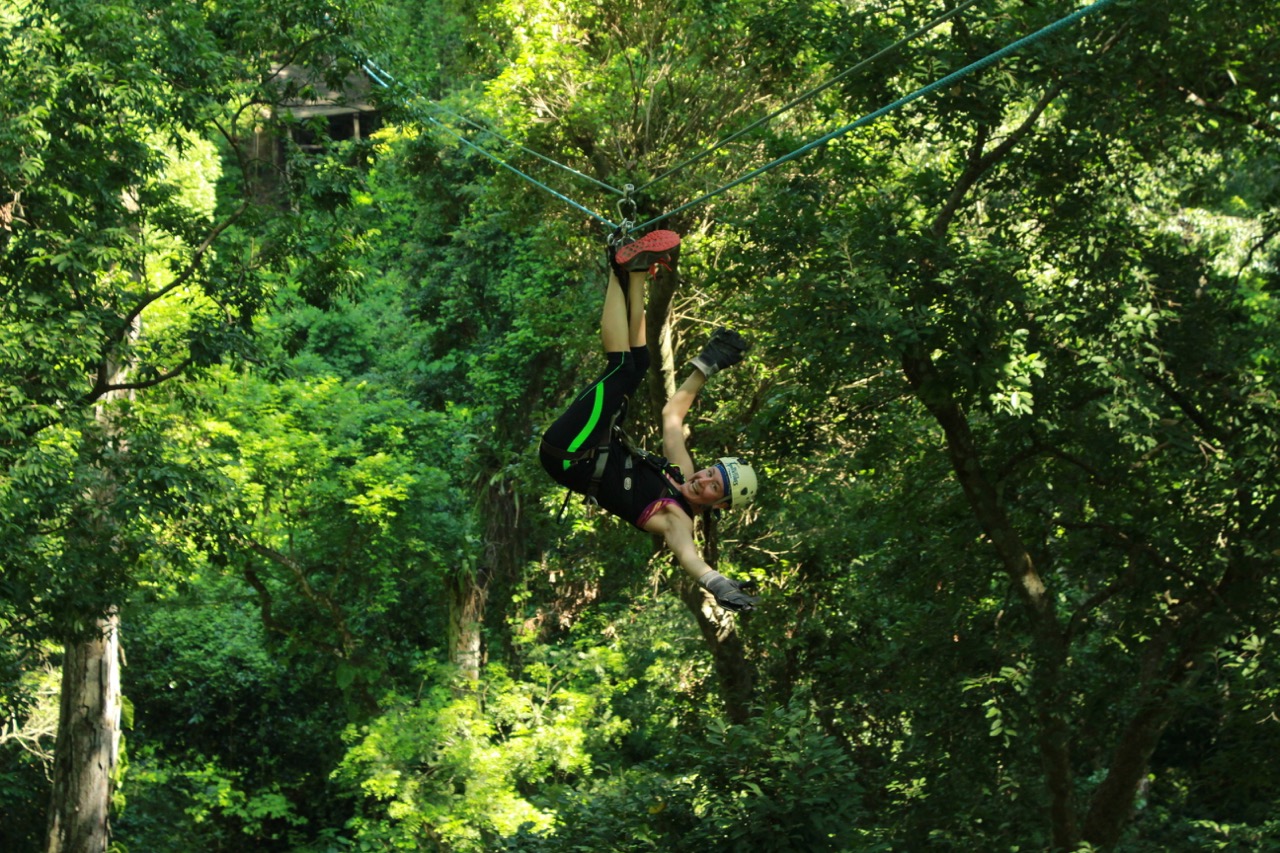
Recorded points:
(584, 426)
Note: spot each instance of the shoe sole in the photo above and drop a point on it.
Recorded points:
(655, 242)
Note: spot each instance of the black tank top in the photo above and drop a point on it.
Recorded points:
(630, 484)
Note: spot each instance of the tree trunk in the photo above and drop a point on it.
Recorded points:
(662, 380)
(1112, 803)
(468, 594)
(728, 654)
(88, 743)
(1053, 738)
(718, 627)
(1193, 629)
(503, 556)
(84, 768)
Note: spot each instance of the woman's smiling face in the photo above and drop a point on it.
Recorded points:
(705, 488)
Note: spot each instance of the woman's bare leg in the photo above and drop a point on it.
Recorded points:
(615, 331)
(637, 324)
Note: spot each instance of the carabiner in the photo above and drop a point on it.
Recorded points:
(626, 211)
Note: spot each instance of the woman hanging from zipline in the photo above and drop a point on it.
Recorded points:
(584, 452)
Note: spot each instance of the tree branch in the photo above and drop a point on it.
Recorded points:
(967, 465)
(102, 381)
(1254, 122)
(324, 602)
(979, 163)
(1053, 738)
(196, 259)
(1186, 406)
(1268, 234)
(102, 388)
(264, 601)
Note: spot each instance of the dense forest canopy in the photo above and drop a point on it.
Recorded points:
(279, 336)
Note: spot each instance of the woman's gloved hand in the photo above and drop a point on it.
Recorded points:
(728, 592)
(724, 349)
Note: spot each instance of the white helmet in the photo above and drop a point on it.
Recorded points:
(740, 480)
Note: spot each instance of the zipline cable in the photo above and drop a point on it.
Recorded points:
(386, 81)
(870, 117)
(936, 22)
(369, 64)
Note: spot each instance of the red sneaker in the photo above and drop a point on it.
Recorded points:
(657, 248)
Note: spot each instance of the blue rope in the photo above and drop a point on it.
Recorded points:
(530, 151)
(504, 164)
(936, 22)
(369, 66)
(870, 117)
(387, 82)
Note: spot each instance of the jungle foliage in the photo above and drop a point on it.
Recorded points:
(1013, 395)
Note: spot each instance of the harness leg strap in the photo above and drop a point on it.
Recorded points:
(597, 473)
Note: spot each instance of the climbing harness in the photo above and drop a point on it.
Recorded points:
(600, 454)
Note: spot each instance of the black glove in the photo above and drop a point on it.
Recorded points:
(728, 592)
(724, 349)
